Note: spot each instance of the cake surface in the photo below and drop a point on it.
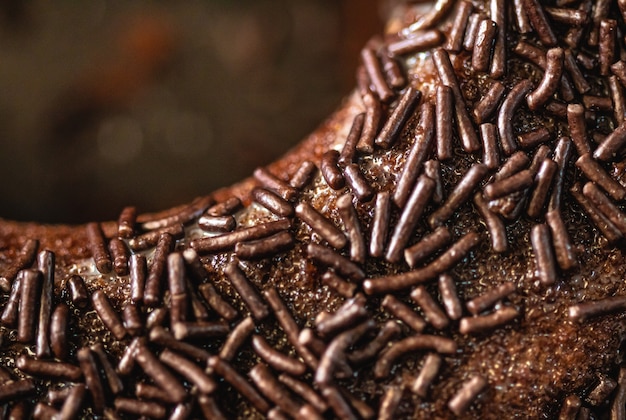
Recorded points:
(447, 244)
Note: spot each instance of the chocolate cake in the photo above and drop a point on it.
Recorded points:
(447, 244)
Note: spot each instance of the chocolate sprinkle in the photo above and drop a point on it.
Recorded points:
(400, 114)
(466, 395)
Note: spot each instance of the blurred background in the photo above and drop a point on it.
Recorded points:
(108, 103)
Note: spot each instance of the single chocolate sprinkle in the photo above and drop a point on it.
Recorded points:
(485, 36)
(73, 402)
(498, 9)
(107, 314)
(200, 311)
(358, 183)
(507, 113)
(308, 338)
(490, 297)
(225, 370)
(470, 31)
(598, 103)
(246, 290)
(189, 370)
(400, 114)
(562, 156)
(410, 216)
(374, 70)
(55, 396)
(602, 222)
(206, 329)
(582, 311)
(390, 402)
(351, 312)
(115, 383)
(482, 323)
(606, 45)
(92, 378)
(447, 77)
(433, 312)
(604, 204)
(127, 360)
(578, 131)
(539, 21)
(321, 225)
(420, 149)
(303, 175)
(138, 268)
(230, 205)
(495, 225)
(380, 224)
(404, 313)
(459, 195)
(165, 338)
(417, 41)
(98, 249)
(183, 216)
(373, 116)
(543, 183)
(208, 407)
(614, 142)
(618, 100)
(217, 223)
(532, 53)
(471, 388)
(580, 83)
(542, 153)
(272, 202)
(58, 331)
(217, 302)
(444, 262)
(140, 408)
(119, 253)
(304, 391)
(151, 239)
(152, 290)
(24, 259)
(289, 326)
(413, 343)
(337, 262)
(364, 84)
(339, 285)
(444, 107)
(514, 183)
(450, 297)
(351, 223)
(126, 222)
(49, 369)
(563, 248)
(521, 17)
(488, 104)
(545, 264)
(46, 265)
(30, 285)
(271, 182)
(432, 169)
(176, 274)
(550, 81)
(618, 406)
(392, 69)
(428, 373)
(264, 247)
(427, 246)
(276, 359)
(619, 69)
(132, 319)
(236, 338)
(533, 138)
(348, 151)
(454, 41)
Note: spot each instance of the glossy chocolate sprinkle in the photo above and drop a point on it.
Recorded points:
(348, 151)
(427, 374)
(246, 290)
(126, 222)
(352, 225)
(602, 222)
(92, 378)
(98, 249)
(269, 386)
(596, 173)
(420, 149)
(36, 367)
(115, 383)
(506, 115)
(271, 182)
(543, 183)
(570, 407)
(303, 176)
(185, 215)
(444, 107)
(107, 314)
(119, 253)
(482, 323)
(374, 70)
(466, 395)
(606, 206)
(398, 117)
(495, 225)
(539, 22)
(606, 45)
(417, 41)
(470, 31)
(533, 138)
(562, 156)
(58, 331)
(276, 359)
(617, 97)
(165, 338)
(217, 302)
(227, 241)
(393, 72)
(490, 297)
(454, 41)
(498, 11)
(138, 270)
(73, 402)
(357, 182)
(273, 202)
(403, 312)
(189, 370)
(226, 207)
(29, 295)
(140, 408)
(488, 104)
(329, 258)
(431, 309)
(432, 169)
(428, 245)
(380, 224)
(151, 239)
(485, 36)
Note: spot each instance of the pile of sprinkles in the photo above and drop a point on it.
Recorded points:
(482, 134)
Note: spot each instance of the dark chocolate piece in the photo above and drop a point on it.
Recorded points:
(92, 379)
(58, 331)
(428, 373)
(470, 389)
(303, 176)
(449, 297)
(265, 247)
(276, 359)
(543, 183)
(337, 262)
(582, 311)
(488, 104)
(126, 222)
(227, 241)
(321, 225)
(358, 183)
(373, 116)
(159, 373)
(608, 229)
(22, 260)
(490, 297)
(380, 224)
(305, 391)
(444, 107)
(400, 114)
(485, 36)
(115, 383)
(140, 408)
(165, 338)
(606, 46)
(273, 390)
(506, 114)
(194, 373)
(610, 147)
(533, 138)
(49, 369)
(271, 182)
(495, 225)
(433, 312)
(374, 70)
(545, 264)
(563, 248)
(482, 323)
(417, 41)
(404, 313)
(348, 151)
(539, 21)
(272, 202)
(428, 245)
(350, 220)
(30, 285)
(246, 290)
(206, 329)
(153, 290)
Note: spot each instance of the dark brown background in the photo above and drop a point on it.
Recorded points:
(109, 103)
